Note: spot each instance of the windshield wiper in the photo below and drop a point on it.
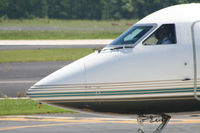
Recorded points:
(122, 47)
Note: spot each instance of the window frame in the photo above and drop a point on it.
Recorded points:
(154, 25)
(175, 43)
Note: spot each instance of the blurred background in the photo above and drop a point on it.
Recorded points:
(83, 9)
(74, 19)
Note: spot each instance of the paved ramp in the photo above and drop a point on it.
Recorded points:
(51, 124)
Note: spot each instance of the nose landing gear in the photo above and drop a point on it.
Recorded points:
(163, 118)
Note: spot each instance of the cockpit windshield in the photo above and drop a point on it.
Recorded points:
(132, 35)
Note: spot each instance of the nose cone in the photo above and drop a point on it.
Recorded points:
(73, 73)
(59, 82)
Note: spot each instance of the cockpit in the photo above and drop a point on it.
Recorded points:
(165, 34)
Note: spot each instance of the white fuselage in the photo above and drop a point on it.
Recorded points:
(134, 78)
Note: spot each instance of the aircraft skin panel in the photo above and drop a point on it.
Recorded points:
(113, 94)
(143, 63)
(114, 90)
(150, 101)
(120, 85)
(62, 89)
(174, 14)
(132, 106)
(135, 107)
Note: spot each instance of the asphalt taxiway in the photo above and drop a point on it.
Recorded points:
(73, 123)
(16, 78)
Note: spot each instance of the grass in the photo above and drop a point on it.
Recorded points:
(64, 29)
(56, 35)
(56, 23)
(27, 107)
(42, 55)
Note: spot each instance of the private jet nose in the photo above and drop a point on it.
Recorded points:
(73, 73)
(59, 82)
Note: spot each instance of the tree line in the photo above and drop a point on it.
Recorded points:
(83, 9)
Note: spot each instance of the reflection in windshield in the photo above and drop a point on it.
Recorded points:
(132, 35)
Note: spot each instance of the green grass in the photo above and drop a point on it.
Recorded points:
(56, 35)
(27, 107)
(56, 23)
(43, 55)
(65, 29)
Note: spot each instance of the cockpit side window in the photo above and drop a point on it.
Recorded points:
(165, 34)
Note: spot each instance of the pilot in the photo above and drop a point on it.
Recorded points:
(162, 35)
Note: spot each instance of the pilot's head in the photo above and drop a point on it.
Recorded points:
(162, 32)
